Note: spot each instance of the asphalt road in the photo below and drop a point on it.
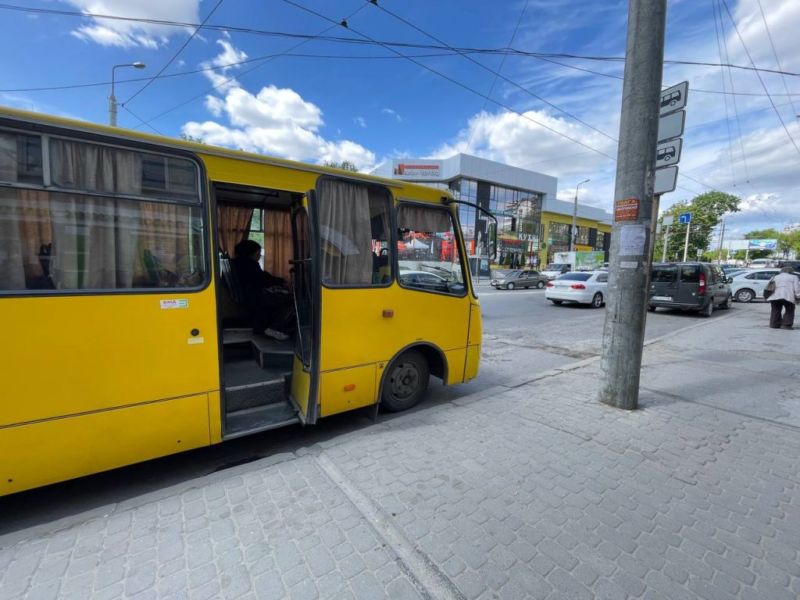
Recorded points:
(524, 335)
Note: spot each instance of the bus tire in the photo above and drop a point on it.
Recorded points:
(405, 382)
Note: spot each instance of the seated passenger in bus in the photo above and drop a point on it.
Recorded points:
(267, 298)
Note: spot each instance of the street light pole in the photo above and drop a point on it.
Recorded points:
(575, 217)
(112, 99)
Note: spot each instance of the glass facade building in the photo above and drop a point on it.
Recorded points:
(512, 195)
(531, 222)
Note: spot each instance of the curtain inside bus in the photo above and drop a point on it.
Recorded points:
(71, 240)
(277, 242)
(233, 223)
(345, 233)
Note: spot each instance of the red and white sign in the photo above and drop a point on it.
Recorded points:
(626, 210)
(418, 171)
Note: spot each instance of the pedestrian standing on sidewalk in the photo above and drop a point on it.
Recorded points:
(783, 299)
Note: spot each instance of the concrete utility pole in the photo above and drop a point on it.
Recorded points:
(631, 241)
(721, 240)
(666, 241)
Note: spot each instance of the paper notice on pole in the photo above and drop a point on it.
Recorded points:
(632, 239)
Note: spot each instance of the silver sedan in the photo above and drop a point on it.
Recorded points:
(579, 287)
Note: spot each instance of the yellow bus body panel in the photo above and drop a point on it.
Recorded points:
(76, 354)
(58, 449)
(347, 389)
(475, 342)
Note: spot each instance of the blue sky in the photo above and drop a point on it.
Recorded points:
(363, 103)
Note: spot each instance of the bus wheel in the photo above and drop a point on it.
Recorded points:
(405, 382)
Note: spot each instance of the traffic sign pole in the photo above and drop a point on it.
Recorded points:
(686, 243)
(631, 239)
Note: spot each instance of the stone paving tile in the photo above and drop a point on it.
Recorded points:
(533, 492)
(254, 527)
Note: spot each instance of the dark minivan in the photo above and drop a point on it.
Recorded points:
(690, 286)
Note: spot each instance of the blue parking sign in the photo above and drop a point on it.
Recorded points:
(685, 218)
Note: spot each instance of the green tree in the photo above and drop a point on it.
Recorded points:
(190, 138)
(345, 165)
(707, 210)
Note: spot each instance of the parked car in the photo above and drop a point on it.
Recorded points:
(519, 279)
(585, 287)
(750, 285)
(690, 286)
(553, 270)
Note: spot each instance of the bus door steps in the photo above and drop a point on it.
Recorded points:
(250, 395)
(272, 354)
(259, 418)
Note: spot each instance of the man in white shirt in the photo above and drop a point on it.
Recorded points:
(783, 299)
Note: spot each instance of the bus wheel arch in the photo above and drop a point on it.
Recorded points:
(405, 378)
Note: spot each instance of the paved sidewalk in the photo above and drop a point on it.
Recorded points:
(535, 491)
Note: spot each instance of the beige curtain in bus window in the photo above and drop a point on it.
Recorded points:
(277, 242)
(94, 238)
(164, 240)
(233, 223)
(12, 273)
(37, 235)
(345, 233)
(423, 219)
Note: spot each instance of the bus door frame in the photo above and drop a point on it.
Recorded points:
(312, 279)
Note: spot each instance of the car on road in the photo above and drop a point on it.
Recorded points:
(749, 286)
(519, 279)
(553, 270)
(690, 286)
(584, 287)
(423, 279)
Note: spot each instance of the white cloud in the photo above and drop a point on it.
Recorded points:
(128, 34)
(276, 121)
(393, 113)
(360, 121)
(224, 61)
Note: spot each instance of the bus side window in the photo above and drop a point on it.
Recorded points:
(354, 234)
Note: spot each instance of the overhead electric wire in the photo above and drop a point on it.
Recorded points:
(70, 86)
(142, 121)
(717, 25)
(774, 51)
(497, 74)
(175, 55)
(350, 40)
(243, 73)
(452, 80)
(733, 99)
(500, 68)
(750, 58)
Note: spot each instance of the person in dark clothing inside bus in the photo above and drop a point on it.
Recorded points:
(267, 298)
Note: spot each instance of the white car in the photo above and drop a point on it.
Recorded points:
(750, 285)
(588, 287)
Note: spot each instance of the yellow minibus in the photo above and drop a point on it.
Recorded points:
(124, 336)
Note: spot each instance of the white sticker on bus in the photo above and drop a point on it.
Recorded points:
(177, 303)
(195, 340)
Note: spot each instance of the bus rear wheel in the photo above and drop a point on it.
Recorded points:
(405, 382)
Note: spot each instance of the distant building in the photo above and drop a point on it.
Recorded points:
(530, 218)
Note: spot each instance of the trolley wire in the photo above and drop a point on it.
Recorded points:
(176, 54)
(761, 81)
(371, 41)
